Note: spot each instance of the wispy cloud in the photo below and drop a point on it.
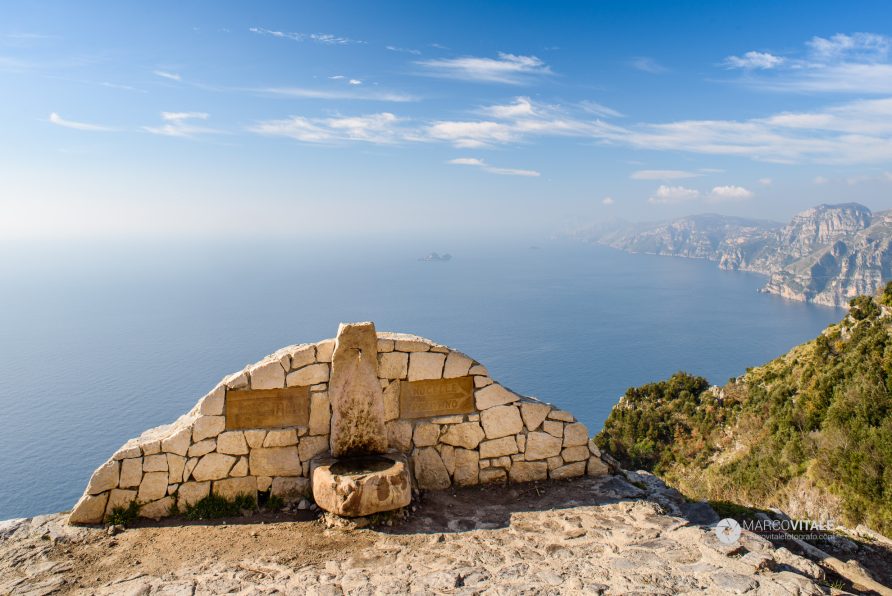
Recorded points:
(60, 121)
(662, 175)
(403, 50)
(382, 128)
(646, 64)
(754, 61)
(510, 69)
(479, 163)
(322, 38)
(182, 124)
(671, 195)
(608, 201)
(352, 94)
(167, 75)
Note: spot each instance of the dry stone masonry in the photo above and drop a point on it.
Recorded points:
(434, 410)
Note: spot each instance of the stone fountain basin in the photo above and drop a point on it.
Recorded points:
(361, 485)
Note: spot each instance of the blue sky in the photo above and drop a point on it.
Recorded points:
(197, 119)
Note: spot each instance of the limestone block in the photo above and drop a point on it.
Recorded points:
(430, 473)
(493, 395)
(517, 457)
(596, 467)
(554, 462)
(454, 419)
(175, 466)
(152, 487)
(501, 421)
(190, 493)
(284, 359)
(214, 466)
(264, 483)
(479, 369)
(119, 499)
(411, 345)
(202, 447)
(521, 439)
(426, 365)
(528, 471)
(237, 380)
(484, 463)
(278, 438)
(303, 355)
(393, 365)
(178, 442)
(465, 434)
(447, 454)
(493, 476)
(309, 448)
(267, 374)
(104, 478)
(311, 374)
(240, 468)
(233, 443)
(255, 438)
(498, 447)
(131, 472)
(568, 471)
(324, 350)
(383, 487)
(207, 427)
(480, 382)
(474, 417)
(212, 403)
(554, 428)
(172, 488)
(533, 414)
(457, 365)
(319, 387)
(385, 345)
(129, 450)
(151, 447)
(273, 461)
(467, 468)
(190, 465)
(155, 463)
(440, 349)
(290, 490)
(575, 434)
(157, 509)
(561, 415)
(391, 401)
(230, 488)
(399, 435)
(577, 453)
(502, 462)
(320, 414)
(593, 448)
(89, 509)
(541, 446)
(426, 434)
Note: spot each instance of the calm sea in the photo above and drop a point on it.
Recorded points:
(99, 345)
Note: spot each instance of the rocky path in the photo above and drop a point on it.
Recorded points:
(591, 535)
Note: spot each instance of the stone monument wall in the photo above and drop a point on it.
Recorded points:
(258, 430)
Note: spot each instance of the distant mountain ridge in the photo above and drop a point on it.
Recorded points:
(827, 254)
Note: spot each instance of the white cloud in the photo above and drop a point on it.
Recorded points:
(351, 94)
(725, 194)
(403, 50)
(382, 128)
(598, 109)
(323, 38)
(60, 121)
(646, 64)
(670, 195)
(662, 175)
(766, 181)
(167, 75)
(354, 82)
(754, 61)
(507, 68)
(608, 201)
(479, 163)
(821, 180)
(858, 47)
(180, 124)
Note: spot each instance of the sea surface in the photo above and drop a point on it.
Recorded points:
(99, 344)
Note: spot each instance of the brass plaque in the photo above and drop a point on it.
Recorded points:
(267, 408)
(439, 397)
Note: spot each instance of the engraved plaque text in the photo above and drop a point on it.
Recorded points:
(439, 397)
(267, 408)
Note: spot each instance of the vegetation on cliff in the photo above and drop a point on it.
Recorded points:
(809, 432)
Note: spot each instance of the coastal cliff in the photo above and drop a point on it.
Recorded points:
(827, 254)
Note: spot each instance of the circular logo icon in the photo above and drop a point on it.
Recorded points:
(727, 531)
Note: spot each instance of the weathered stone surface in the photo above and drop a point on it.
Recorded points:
(393, 365)
(569, 471)
(175, 466)
(577, 453)
(426, 434)
(310, 447)
(268, 374)
(190, 493)
(455, 419)
(405, 342)
(131, 472)
(230, 488)
(498, 447)
(554, 428)
(157, 509)
(561, 415)
(264, 483)
(424, 366)
(533, 414)
(128, 451)
(596, 467)
(308, 375)
(501, 421)
(324, 350)
(151, 447)
(302, 355)
(212, 403)
(214, 466)
(273, 461)
(89, 509)
(277, 438)
(399, 435)
(190, 465)
(179, 442)
(457, 365)
(521, 441)
(430, 473)
(202, 447)
(385, 345)
(237, 380)
(447, 454)
(104, 478)
(541, 446)
(479, 369)
(467, 468)
(233, 443)
(465, 434)
(119, 499)
(357, 426)
(493, 395)
(375, 485)
(240, 468)
(392, 401)
(207, 427)
(320, 414)
(480, 382)
(290, 489)
(152, 487)
(493, 476)
(155, 463)
(575, 434)
(526, 471)
(255, 438)
(504, 462)
(554, 462)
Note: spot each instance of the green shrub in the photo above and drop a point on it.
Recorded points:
(215, 506)
(123, 516)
